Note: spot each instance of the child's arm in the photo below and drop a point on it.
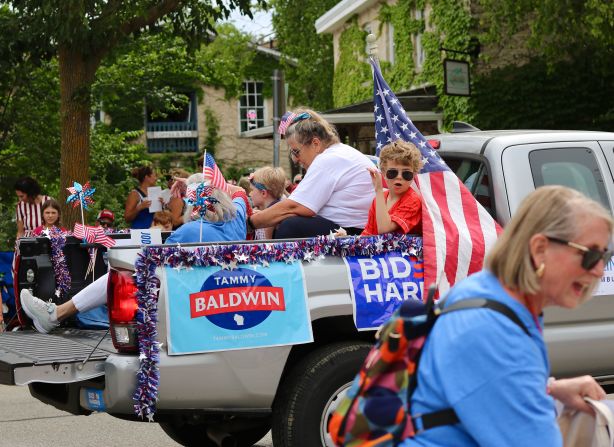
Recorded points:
(384, 223)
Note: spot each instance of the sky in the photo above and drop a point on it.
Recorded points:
(260, 26)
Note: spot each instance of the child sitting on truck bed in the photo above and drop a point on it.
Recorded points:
(398, 209)
(268, 186)
(223, 221)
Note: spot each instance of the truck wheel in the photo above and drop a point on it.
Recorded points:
(196, 434)
(310, 393)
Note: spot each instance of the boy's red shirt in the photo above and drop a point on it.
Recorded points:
(406, 213)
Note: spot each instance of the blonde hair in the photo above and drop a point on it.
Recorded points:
(315, 126)
(402, 152)
(224, 210)
(273, 178)
(554, 211)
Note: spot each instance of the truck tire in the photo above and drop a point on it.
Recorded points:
(196, 434)
(311, 391)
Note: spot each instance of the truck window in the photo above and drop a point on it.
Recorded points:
(474, 174)
(575, 168)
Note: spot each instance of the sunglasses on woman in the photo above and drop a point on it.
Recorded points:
(590, 256)
(392, 173)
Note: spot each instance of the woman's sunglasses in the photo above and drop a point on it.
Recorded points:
(394, 173)
(590, 256)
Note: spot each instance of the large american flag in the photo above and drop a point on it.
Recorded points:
(213, 173)
(457, 230)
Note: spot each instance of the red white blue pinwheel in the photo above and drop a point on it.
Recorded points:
(80, 195)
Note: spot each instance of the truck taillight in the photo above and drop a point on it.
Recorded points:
(122, 302)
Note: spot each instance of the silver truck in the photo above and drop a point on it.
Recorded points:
(235, 397)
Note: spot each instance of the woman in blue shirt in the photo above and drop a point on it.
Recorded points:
(480, 363)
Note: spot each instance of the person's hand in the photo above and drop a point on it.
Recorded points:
(571, 392)
(376, 179)
(144, 204)
(340, 232)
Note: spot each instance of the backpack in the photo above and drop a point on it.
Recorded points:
(375, 410)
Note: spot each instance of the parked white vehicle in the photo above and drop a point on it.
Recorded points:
(236, 396)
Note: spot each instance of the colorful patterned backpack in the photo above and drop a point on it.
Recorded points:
(375, 411)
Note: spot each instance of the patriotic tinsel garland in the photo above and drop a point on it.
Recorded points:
(228, 257)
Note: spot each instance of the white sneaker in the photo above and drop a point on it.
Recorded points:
(43, 315)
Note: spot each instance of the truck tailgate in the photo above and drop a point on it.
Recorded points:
(28, 356)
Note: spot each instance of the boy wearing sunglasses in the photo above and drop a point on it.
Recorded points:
(397, 209)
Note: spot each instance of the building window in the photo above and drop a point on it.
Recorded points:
(419, 49)
(251, 106)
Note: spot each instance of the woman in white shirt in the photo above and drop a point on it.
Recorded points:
(336, 190)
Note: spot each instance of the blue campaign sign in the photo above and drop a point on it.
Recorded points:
(380, 283)
(212, 309)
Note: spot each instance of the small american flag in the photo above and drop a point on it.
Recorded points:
(286, 120)
(213, 173)
(93, 235)
(457, 230)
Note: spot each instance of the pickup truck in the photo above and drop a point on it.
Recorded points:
(234, 397)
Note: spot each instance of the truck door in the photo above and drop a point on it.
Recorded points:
(580, 339)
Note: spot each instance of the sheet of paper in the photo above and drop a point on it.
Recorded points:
(166, 195)
(153, 194)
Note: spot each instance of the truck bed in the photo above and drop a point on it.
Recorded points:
(26, 356)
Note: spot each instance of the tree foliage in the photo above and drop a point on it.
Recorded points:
(311, 80)
(83, 33)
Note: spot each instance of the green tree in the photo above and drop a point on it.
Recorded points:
(83, 33)
(312, 79)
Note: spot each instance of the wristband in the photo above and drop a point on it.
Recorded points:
(249, 223)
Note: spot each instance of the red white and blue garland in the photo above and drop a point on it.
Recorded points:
(228, 257)
(63, 280)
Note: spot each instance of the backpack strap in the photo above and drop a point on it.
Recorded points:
(448, 416)
(497, 306)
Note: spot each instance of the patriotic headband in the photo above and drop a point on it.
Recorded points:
(290, 118)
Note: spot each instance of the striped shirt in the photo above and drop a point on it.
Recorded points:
(31, 215)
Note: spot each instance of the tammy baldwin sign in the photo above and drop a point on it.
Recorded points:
(212, 309)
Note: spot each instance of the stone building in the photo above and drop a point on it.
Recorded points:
(239, 122)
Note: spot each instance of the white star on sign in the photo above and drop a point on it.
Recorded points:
(384, 130)
(422, 143)
(379, 118)
(404, 126)
(412, 135)
(395, 118)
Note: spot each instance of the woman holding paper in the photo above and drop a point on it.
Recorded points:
(137, 205)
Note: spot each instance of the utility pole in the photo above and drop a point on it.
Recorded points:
(279, 108)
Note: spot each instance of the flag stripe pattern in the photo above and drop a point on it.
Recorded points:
(285, 122)
(213, 173)
(93, 235)
(457, 230)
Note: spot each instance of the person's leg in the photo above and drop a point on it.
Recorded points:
(46, 315)
(298, 226)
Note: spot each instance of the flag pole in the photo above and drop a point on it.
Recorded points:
(204, 162)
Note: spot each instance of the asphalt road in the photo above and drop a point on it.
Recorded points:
(27, 422)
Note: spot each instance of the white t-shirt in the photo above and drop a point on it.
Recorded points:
(337, 186)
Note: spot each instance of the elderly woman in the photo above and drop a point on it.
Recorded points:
(224, 221)
(481, 364)
(336, 190)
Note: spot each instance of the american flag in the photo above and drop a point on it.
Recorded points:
(457, 230)
(213, 173)
(93, 235)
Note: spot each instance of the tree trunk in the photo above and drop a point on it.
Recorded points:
(76, 77)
